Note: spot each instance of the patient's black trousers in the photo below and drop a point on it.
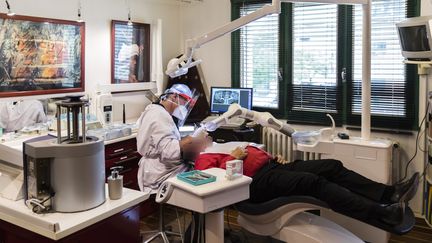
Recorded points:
(343, 190)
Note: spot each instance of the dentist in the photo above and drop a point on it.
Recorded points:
(164, 153)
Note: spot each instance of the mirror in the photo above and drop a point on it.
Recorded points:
(130, 52)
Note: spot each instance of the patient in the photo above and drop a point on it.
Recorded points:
(343, 190)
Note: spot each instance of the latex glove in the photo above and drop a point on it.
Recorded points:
(200, 133)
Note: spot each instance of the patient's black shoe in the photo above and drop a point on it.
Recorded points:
(392, 214)
(405, 191)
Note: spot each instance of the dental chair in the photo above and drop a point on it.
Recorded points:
(285, 219)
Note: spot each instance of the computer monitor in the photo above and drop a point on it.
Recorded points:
(221, 98)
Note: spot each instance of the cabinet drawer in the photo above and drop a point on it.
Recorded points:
(130, 179)
(120, 148)
(126, 160)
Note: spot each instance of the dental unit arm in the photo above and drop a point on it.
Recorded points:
(265, 119)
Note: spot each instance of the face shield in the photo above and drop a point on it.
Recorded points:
(185, 99)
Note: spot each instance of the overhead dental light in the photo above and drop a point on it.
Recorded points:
(180, 66)
(9, 13)
(79, 20)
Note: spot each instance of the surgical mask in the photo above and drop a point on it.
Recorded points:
(180, 112)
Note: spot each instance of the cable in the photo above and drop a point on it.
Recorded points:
(423, 133)
(425, 170)
(417, 139)
(38, 206)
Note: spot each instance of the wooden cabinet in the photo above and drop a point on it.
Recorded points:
(121, 227)
(124, 153)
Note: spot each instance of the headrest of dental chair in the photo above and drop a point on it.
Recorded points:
(248, 207)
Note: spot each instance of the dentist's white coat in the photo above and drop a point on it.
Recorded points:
(158, 142)
(24, 113)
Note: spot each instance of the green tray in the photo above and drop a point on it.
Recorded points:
(196, 177)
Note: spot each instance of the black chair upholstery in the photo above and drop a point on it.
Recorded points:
(250, 208)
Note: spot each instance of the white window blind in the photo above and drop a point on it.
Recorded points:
(315, 57)
(259, 57)
(388, 83)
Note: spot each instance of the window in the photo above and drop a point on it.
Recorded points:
(259, 47)
(314, 67)
(294, 62)
(392, 102)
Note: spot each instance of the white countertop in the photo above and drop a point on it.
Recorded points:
(11, 150)
(133, 135)
(58, 225)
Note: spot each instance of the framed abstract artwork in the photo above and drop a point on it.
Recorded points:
(40, 56)
(130, 52)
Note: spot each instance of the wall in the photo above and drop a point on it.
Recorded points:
(199, 19)
(97, 15)
(216, 67)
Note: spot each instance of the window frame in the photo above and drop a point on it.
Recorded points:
(344, 60)
(235, 51)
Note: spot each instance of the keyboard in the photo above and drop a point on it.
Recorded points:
(235, 122)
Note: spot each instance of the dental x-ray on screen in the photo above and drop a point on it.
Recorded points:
(221, 98)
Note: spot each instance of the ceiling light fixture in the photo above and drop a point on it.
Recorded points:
(9, 13)
(129, 22)
(79, 20)
(129, 18)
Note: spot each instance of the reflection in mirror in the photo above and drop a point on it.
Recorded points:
(15, 116)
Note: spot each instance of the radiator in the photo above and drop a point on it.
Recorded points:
(277, 143)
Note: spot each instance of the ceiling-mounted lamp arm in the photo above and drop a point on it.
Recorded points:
(180, 66)
(235, 25)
